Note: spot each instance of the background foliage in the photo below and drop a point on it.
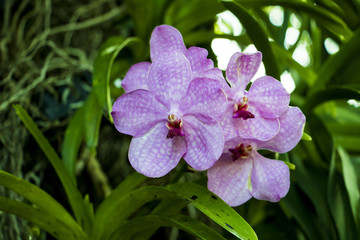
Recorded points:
(62, 61)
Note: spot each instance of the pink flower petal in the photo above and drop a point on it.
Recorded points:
(198, 61)
(227, 123)
(291, 129)
(269, 97)
(270, 179)
(154, 155)
(136, 77)
(229, 179)
(204, 99)
(259, 128)
(242, 68)
(163, 38)
(136, 112)
(169, 77)
(204, 143)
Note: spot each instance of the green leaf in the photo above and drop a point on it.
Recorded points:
(329, 94)
(109, 205)
(306, 137)
(350, 178)
(324, 17)
(256, 34)
(82, 214)
(190, 225)
(41, 199)
(187, 15)
(40, 218)
(214, 208)
(334, 63)
(102, 69)
(119, 209)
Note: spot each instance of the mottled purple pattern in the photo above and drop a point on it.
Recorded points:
(269, 97)
(292, 124)
(173, 96)
(229, 180)
(242, 68)
(204, 143)
(165, 38)
(169, 77)
(153, 154)
(270, 179)
(136, 77)
(204, 99)
(135, 113)
(236, 181)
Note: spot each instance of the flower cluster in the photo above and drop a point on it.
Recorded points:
(180, 106)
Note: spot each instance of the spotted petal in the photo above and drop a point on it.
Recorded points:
(242, 68)
(204, 142)
(229, 179)
(198, 61)
(154, 155)
(204, 99)
(227, 123)
(291, 129)
(164, 38)
(136, 77)
(169, 77)
(136, 112)
(269, 97)
(270, 179)
(259, 127)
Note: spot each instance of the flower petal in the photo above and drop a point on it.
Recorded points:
(227, 123)
(136, 112)
(259, 127)
(204, 99)
(153, 155)
(204, 142)
(242, 68)
(291, 129)
(198, 61)
(169, 77)
(270, 179)
(269, 96)
(163, 38)
(136, 77)
(229, 179)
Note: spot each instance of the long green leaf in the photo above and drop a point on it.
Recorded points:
(256, 34)
(190, 225)
(324, 17)
(40, 218)
(118, 210)
(214, 208)
(333, 93)
(82, 214)
(102, 69)
(350, 178)
(108, 206)
(41, 199)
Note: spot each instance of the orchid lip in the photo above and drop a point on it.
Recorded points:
(241, 151)
(174, 125)
(240, 110)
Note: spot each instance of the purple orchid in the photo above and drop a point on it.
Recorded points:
(252, 114)
(169, 113)
(165, 38)
(242, 173)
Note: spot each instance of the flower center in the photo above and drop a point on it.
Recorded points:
(174, 125)
(240, 110)
(240, 151)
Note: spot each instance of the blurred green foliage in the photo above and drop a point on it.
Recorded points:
(48, 48)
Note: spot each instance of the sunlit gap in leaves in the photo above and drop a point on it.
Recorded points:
(354, 103)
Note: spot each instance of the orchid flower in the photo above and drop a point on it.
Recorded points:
(252, 114)
(242, 173)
